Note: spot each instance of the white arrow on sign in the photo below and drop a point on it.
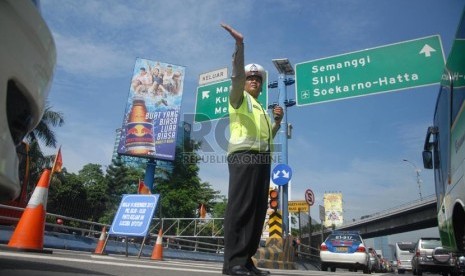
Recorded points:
(205, 94)
(427, 50)
(284, 172)
(276, 175)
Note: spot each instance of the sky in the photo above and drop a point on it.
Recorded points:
(354, 146)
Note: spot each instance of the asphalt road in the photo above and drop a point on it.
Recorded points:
(67, 263)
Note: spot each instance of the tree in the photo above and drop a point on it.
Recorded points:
(91, 174)
(181, 191)
(68, 197)
(42, 133)
(95, 185)
(219, 207)
(120, 180)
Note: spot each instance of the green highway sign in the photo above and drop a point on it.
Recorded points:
(403, 65)
(212, 101)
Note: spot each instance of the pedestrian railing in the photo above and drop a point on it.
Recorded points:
(190, 227)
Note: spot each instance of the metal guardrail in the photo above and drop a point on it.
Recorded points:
(191, 234)
(308, 251)
(190, 227)
(188, 233)
(73, 225)
(172, 227)
(195, 234)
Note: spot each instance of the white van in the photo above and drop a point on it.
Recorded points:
(404, 255)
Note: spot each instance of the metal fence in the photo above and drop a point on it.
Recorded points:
(194, 234)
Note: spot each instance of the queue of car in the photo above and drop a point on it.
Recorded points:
(347, 250)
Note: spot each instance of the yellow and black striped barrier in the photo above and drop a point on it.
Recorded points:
(275, 224)
(278, 252)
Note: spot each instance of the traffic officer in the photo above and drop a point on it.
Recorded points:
(249, 163)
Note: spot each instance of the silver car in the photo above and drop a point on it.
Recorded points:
(431, 257)
(28, 58)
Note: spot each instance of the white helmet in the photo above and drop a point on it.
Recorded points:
(254, 69)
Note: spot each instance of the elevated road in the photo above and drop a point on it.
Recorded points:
(416, 215)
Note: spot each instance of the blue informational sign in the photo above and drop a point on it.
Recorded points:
(281, 174)
(134, 215)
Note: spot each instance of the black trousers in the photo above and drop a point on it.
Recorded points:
(249, 183)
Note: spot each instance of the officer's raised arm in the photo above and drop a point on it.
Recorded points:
(238, 74)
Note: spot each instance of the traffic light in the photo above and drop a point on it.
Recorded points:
(274, 199)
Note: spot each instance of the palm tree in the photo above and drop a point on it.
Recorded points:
(42, 133)
(43, 130)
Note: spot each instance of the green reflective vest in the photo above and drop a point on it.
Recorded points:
(250, 127)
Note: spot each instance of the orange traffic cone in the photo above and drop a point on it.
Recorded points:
(157, 253)
(29, 233)
(101, 242)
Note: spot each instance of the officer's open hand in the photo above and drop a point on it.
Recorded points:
(235, 34)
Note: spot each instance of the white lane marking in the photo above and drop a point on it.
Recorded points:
(154, 266)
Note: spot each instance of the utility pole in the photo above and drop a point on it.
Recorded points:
(417, 170)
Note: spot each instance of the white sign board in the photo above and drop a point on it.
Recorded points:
(213, 76)
(309, 197)
(134, 215)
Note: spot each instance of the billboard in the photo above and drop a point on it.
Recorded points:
(333, 209)
(152, 113)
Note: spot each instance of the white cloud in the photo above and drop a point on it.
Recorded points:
(78, 56)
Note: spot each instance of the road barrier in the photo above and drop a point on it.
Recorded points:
(29, 233)
(99, 249)
(157, 253)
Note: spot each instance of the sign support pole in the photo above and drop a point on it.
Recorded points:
(283, 190)
(284, 68)
(309, 231)
(150, 173)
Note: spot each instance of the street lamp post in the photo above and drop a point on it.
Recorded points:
(417, 170)
(284, 68)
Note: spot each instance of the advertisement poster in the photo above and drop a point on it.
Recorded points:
(153, 110)
(333, 209)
